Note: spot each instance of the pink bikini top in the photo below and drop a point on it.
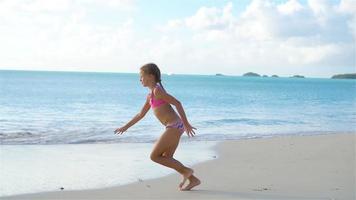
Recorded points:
(156, 102)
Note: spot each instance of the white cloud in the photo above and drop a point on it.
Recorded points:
(315, 39)
(267, 37)
(210, 18)
(290, 7)
(35, 34)
(348, 6)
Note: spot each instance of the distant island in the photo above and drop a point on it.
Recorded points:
(344, 76)
(219, 75)
(337, 76)
(297, 76)
(251, 74)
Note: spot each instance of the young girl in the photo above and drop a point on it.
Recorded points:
(165, 146)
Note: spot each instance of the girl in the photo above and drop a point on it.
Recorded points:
(165, 146)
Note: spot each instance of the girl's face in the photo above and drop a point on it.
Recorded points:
(146, 79)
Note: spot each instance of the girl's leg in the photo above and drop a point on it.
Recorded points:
(168, 141)
(193, 180)
(164, 150)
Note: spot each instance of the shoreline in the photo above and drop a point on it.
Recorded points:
(283, 167)
(28, 169)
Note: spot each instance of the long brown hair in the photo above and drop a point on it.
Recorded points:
(151, 68)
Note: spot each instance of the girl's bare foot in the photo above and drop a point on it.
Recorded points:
(188, 172)
(193, 181)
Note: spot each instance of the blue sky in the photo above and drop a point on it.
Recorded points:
(285, 37)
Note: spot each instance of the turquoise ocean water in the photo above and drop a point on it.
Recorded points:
(57, 128)
(72, 108)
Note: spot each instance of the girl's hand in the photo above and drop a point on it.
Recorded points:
(189, 130)
(120, 130)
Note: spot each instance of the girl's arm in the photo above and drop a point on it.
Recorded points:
(170, 99)
(136, 118)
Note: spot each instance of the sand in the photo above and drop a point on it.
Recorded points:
(284, 167)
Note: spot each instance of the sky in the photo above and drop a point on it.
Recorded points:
(315, 38)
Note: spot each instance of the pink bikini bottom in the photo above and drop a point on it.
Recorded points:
(177, 124)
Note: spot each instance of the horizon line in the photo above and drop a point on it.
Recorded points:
(169, 74)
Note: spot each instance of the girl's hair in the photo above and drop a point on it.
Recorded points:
(151, 68)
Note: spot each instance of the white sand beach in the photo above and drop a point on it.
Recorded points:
(285, 167)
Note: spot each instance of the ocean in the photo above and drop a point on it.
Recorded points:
(44, 113)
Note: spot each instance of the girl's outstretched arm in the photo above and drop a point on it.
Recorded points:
(136, 118)
(161, 94)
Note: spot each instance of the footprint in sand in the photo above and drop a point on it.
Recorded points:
(261, 189)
